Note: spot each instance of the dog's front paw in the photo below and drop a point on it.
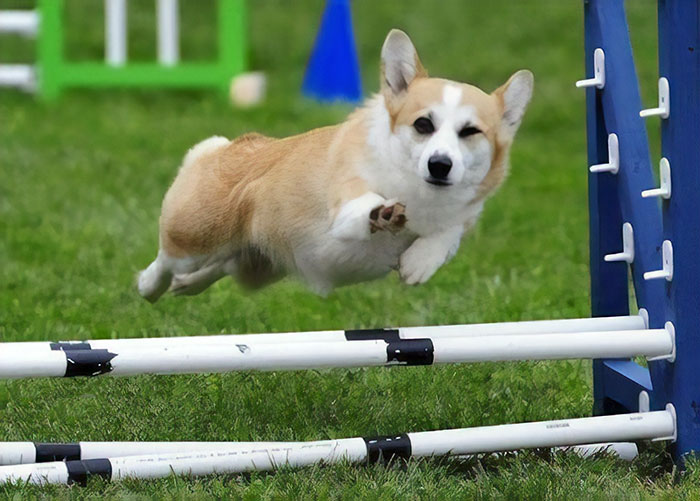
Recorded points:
(388, 217)
(418, 264)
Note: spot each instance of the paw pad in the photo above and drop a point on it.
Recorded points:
(391, 218)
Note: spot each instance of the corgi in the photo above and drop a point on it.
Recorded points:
(394, 187)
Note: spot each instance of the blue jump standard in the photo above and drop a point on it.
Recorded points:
(615, 199)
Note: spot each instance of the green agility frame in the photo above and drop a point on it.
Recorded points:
(56, 74)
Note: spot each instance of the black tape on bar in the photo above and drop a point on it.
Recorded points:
(70, 346)
(78, 471)
(370, 334)
(410, 352)
(45, 453)
(387, 448)
(88, 362)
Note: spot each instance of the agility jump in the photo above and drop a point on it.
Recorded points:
(658, 242)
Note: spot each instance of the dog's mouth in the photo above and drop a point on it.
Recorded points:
(438, 182)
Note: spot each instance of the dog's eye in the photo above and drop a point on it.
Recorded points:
(424, 126)
(468, 131)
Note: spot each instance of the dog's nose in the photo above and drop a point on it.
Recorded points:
(439, 166)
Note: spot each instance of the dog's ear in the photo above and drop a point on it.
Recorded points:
(514, 95)
(400, 63)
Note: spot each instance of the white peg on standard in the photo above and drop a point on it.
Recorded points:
(613, 164)
(627, 254)
(667, 270)
(598, 80)
(664, 108)
(664, 189)
(671, 357)
(644, 401)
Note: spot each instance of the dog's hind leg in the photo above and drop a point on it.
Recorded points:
(190, 284)
(155, 280)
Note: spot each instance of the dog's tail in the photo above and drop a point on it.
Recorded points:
(205, 147)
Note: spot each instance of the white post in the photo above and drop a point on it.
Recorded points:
(168, 32)
(115, 32)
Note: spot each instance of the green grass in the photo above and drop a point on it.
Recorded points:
(80, 190)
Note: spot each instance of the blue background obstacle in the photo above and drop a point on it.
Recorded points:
(333, 72)
(614, 199)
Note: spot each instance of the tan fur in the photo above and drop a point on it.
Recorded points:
(260, 191)
(259, 198)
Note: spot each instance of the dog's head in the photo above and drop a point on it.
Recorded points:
(446, 132)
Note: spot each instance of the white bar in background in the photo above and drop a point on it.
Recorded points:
(566, 432)
(168, 32)
(22, 22)
(626, 451)
(25, 452)
(115, 32)
(18, 75)
(632, 322)
(255, 458)
(656, 425)
(37, 473)
(622, 323)
(13, 453)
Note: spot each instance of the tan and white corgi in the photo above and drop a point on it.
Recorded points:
(395, 186)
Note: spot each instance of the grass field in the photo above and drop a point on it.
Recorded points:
(80, 188)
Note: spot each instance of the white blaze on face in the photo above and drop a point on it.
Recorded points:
(451, 95)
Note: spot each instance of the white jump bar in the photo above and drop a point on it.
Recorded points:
(14, 453)
(651, 343)
(22, 22)
(657, 425)
(18, 75)
(633, 322)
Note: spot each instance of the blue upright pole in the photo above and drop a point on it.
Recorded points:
(679, 62)
(333, 72)
(619, 103)
(608, 280)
